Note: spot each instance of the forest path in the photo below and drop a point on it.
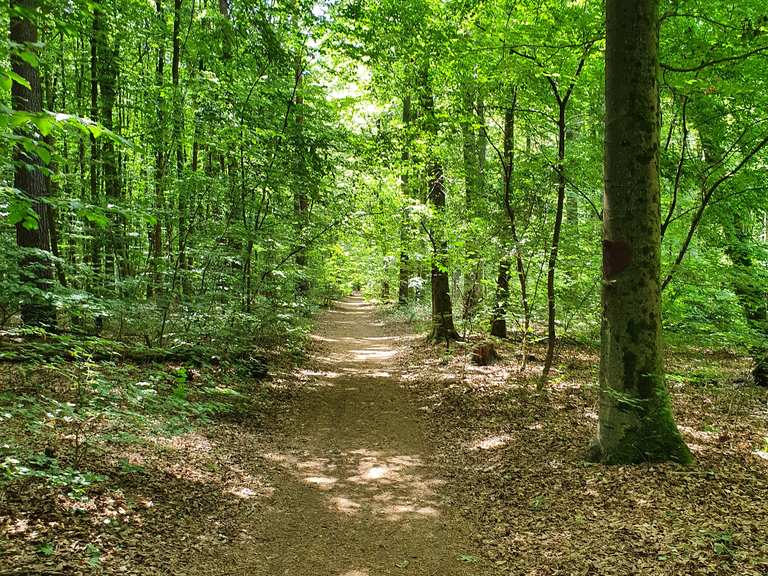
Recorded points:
(355, 492)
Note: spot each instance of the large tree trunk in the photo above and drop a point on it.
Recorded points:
(36, 270)
(636, 422)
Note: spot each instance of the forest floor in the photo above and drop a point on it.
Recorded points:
(385, 455)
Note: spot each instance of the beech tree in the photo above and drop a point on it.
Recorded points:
(636, 422)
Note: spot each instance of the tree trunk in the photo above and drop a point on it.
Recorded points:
(442, 307)
(473, 277)
(50, 183)
(112, 183)
(300, 199)
(178, 140)
(482, 147)
(36, 270)
(404, 273)
(552, 263)
(508, 172)
(636, 422)
(571, 198)
(95, 163)
(156, 231)
(469, 150)
(499, 320)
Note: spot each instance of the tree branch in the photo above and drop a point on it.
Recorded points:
(707, 64)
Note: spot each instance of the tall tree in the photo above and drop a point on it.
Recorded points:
(29, 178)
(636, 422)
(404, 272)
(442, 307)
(156, 231)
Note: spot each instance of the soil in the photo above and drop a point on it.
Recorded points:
(355, 490)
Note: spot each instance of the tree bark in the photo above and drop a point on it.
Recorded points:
(636, 422)
(95, 164)
(301, 199)
(112, 183)
(442, 307)
(552, 263)
(499, 320)
(36, 269)
(508, 172)
(404, 272)
(156, 231)
(471, 153)
(178, 140)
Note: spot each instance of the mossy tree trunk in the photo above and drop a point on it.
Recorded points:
(636, 422)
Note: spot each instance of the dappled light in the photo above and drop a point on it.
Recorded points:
(392, 486)
(384, 288)
(491, 442)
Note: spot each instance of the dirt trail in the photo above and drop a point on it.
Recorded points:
(355, 493)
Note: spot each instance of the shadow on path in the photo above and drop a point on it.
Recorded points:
(355, 493)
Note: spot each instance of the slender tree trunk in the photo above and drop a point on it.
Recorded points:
(552, 263)
(95, 164)
(178, 140)
(473, 277)
(404, 273)
(469, 150)
(636, 422)
(156, 231)
(442, 306)
(112, 180)
(50, 183)
(508, 172)
(36, 270)
(499, 319)
(571, 198)
(301, 199)
(482, 147)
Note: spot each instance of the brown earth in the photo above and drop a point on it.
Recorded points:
(355, 489)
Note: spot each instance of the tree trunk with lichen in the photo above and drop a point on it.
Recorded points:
(636, 421)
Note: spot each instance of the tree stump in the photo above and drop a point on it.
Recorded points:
(484, 354)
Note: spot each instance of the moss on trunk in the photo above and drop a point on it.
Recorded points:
(636, 422)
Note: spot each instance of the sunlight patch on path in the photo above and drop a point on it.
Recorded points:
(386, 485)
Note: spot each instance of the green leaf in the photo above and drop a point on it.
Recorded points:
(45, 123)
(20, 212)
(29, 57)
(96, 217)
(18, 79)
